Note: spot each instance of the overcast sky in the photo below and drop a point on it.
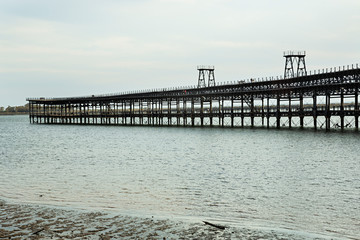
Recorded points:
(62, 48)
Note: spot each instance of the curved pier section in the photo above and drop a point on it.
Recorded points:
(324, 99)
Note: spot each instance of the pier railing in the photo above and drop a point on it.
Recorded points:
(314, 73)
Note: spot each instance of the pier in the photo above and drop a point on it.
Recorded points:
(323, 99)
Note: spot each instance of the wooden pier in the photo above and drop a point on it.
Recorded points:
(323, 99)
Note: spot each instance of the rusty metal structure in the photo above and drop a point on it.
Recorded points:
(323, 99)
(203, 72)
(294, 64)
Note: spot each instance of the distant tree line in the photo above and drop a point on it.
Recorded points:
(15, 109)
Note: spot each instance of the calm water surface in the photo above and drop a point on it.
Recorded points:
(299, 180)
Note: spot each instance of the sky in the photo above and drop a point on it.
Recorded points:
(53, 48)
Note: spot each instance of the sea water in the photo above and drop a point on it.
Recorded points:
(306, 181)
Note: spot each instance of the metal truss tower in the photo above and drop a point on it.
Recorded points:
(203, 72)
(294, 64)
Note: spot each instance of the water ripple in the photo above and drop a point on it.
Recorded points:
(300, 180)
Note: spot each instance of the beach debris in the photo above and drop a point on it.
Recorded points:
(215, 225)
(38, 231)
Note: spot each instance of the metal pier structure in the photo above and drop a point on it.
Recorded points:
(324, 99)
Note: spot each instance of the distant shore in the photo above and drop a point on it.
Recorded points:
(10, 113)
(15, 110)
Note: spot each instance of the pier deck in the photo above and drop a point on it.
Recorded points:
(325, 99)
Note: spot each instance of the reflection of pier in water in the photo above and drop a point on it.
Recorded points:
(324, 99)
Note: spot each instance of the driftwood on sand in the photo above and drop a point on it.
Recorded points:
(38, 231)
(214, 225)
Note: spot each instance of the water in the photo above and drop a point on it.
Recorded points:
(289, 179)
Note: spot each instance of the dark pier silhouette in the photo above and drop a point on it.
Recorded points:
(326, 99)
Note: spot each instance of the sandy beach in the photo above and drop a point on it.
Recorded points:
(30, 221)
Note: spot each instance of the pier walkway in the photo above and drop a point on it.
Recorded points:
(322, 99)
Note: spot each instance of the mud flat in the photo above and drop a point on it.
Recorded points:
(29, 221)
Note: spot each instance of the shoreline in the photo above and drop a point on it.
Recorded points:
(33, 221)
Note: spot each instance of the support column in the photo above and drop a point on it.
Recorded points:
(169, 112)
(123, 107)
(252, 109)
(211, 113)
(101, 112)
(93, 112)
(356, 113)
(202, 111)
(242, 111)
(342, 109)
(290, 110)
(278, 114)
(184, 113)
(44, 106)
(315, 111)
(161, 116)
(219, 110)
(153, 112)
(120, 113)
(222, 113)
(143, 112)
(156, 112)
(64, 106)
(268, 112)
(80, 113)
(131, 112)
(84, 113)
(262, 111)
(232, 111)
(192, 112)
(301, 110)
(327, 111)
(178, 113)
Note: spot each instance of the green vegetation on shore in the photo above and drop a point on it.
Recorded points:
(12, 110)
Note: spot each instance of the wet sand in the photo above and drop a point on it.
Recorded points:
(29, 221)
